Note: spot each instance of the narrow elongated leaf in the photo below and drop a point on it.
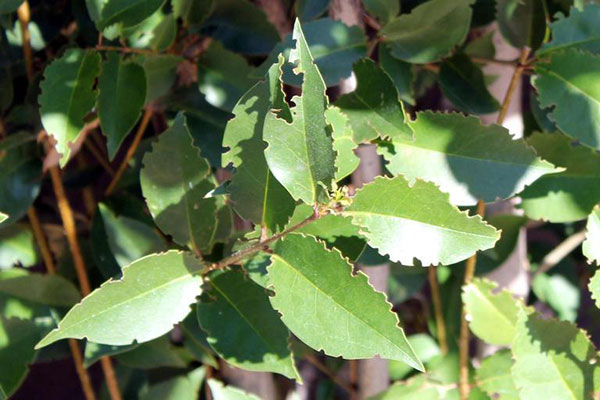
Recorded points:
(492, 316)
(567, 196)
(184, 387)
(374, 109)
(254, 338)
(154, 294)
(126, 12)
(300, 153)
(553, 359)
(581, 30)
(591, 245)
(255, 193)
(67, 96)
(494, 377)
(417, 221)
(122, 92)
(330, 309)
(522, 22)
(568, 83)
(462, 82)
(222, 392)
(52, 290)
(343, 143)
(455, 152)
(175, 182)
(429, 32)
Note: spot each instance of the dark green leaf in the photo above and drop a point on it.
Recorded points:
(522, 22)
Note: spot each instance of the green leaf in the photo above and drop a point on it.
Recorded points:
(511, 226)
(255, 193)
(154, 293)
(51, 290)
(300, 153)
(329, 308)
(374, 109)
(254, 338)
(401, 73)
(568, 83)
(429, 32)
(591, 245)
(175, 188)
(417, 221)
(242, 27)
(223, 76)
(594, 287)
(494, 377)
(94, 352)
(553, 359)
(126, 12)
(157, 353)
(185, 387)
(128, 239)
(453, 151)
(222, 392)
(343, 143)
(492, 316)
(418, 387)
(67, 96)
(121, 96)
(559, 289)
(522, 22)
(164, 33)
(462, 82)
(8, 6)
(482, 46)
(17, 246)
(581, 30)
(3, 217)
(160, 71)
(193, 12)
(310, 9)
(383, 10)
(567, 196)
(426, 348)
(333, 45)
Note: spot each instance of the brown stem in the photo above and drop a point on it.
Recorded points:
(130, 151)
(463, 348)
(86, 383)
(483, 60)
(561, 251)
(513, 84)
(89, 144)
(209, 374)
(353, 366)
(24, 14)
(111, 378)
(437, 310)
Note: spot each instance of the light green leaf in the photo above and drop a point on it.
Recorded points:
(429, 32)
(581, 30)
(3, 217)
(554, 360)
(154, 294)
(17, 246)
(333, 45)
(462, 82)
(222, 392)
(418, 387)
(121, 96)
(300, 153)
(522, 22)
(568, 82)
(425, 347)
(255, 193)
(374, 109)
(223, 76)
(492, 316)
(570, 195)
(128, 238)
(175, 188)
(343, 143)
(559, 289)
(185, 387)
(163, 35)
(51, 290)
(254, 338)
(383, 10)
(126, 12)
(494, 377)
(591, 245)
(67, 96)
(416, 221)
(455, 152)
(329, 308)
(594, 287)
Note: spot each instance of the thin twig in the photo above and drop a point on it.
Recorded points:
(111, 379)
(437, 310)
(463, 348)
(130, 151)
(334, 378)
(24, 15)
(98, 156)
(513, 84)
(86, 382)
(124, 49)
(561, 251)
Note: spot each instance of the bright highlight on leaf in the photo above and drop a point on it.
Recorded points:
(154, 293)
(329, 308)
(416, 221)
(591, 245)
